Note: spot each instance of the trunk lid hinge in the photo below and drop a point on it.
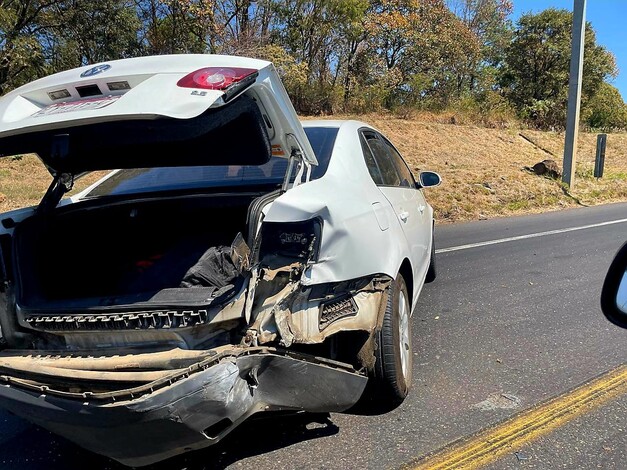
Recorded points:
(61, 182)
(303, 167)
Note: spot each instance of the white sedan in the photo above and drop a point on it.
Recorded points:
(235, 261)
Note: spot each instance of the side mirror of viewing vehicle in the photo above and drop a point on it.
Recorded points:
(428, 179)
(614, 293)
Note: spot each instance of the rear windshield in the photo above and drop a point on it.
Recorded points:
(145, 180)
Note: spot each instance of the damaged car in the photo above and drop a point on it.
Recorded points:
(233, 261)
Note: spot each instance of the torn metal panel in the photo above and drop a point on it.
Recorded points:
(98, 360)
(305, 318)
(270, 290)
(189, 412)
(294, 314)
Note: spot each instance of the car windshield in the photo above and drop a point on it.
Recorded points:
(145, 180)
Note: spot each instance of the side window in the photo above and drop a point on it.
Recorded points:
(407, 179)
(384, 161)
(373, 168)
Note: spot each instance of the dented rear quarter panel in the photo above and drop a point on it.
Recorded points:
(354, 243)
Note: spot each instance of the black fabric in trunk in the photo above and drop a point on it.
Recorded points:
(215, 268)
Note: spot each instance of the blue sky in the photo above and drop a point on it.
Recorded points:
(609, 20)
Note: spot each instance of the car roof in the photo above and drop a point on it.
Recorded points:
(337, 123)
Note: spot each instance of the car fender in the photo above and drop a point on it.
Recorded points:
(354, 244)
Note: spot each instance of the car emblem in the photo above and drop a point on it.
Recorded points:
(95, 70)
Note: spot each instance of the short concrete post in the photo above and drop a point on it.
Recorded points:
(599, 161)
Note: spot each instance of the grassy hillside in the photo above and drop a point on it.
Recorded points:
(482, 169)
(24, 180)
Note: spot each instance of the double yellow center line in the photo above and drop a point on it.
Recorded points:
(492, 443)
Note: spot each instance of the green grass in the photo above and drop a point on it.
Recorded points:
(615, 175)
(518, 205)
(584, 172)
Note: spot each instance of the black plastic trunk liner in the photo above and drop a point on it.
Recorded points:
(121, 254)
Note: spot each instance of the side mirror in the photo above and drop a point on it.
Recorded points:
(428, 179)
(614, 293)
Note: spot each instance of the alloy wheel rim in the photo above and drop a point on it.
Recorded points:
(403, 330)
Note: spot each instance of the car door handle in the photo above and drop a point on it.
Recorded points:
(404, 216)
(421, 208)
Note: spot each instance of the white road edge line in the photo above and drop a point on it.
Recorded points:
(531, 235)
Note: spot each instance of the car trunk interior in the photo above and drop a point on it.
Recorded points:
(124, 253)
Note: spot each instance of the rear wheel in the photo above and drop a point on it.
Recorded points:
(390, 378)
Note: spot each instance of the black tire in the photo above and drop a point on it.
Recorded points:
(388, 386)
(431, 271)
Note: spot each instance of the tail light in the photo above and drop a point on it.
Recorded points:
(217, 78)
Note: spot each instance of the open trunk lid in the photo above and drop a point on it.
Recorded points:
(177, 110)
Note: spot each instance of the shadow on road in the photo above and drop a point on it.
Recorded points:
(36, 449)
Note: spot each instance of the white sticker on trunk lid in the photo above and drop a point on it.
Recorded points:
(82, 105)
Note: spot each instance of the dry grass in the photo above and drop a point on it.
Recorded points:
(482, 169)
(24, 180)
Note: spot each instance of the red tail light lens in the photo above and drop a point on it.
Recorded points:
(215, 78)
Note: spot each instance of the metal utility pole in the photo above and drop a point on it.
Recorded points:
(574, 91)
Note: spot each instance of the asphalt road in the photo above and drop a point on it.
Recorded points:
(597, 439)
(505, 326)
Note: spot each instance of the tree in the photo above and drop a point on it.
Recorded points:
(81, 32)
(174, 26)
(317, 33)
(606, 110)
(424, 47)
(21, 57)
(535, 73)
(243, 25)
(488, 21)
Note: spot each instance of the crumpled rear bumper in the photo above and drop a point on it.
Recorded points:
(191, 412)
